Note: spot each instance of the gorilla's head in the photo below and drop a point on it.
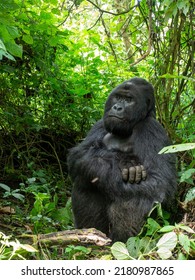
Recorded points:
(127, 105)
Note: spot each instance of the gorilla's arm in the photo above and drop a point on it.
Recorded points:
(161, 169)
(92, 166)
(131, 169)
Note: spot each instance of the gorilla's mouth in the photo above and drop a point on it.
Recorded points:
(115, 117)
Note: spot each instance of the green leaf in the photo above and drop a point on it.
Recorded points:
(164, 253)
(133, 246)
(192, 245)
(2, 46)
(13, 31)
(27, 39)
(8, 5)
(31, 180)
(186, 228)
(166, 244)
(185, 242)
(18, 196)
(28, 248)
(5, 187)
(174, 76)
(167, 228)
(177, 148)
(190, 195)
(168, 240)
(152, 226)
(120, 252)
(146, 244)
(14, 49)
(181, 256)
(186, 176)
(3, 52)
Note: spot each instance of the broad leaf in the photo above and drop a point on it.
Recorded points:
(177, 148)
(14, 49)
(120, 252)
(168, 241)
(164, 253)
(133, 246)
(185, 242)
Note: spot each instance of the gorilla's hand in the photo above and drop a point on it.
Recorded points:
(134, 174)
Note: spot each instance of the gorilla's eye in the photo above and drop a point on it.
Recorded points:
(128, 98)
(120, 98)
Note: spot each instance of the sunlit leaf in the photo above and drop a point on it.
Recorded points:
(168, 241)
(120, 252)
(177, 148)
(164, 253)
(14, 49)
(28, 248)
(28, 39)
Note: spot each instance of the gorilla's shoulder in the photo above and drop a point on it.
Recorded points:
(97, 129)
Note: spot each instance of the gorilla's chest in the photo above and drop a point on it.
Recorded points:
(118, 144)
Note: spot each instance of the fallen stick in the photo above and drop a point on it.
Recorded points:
(62, 238)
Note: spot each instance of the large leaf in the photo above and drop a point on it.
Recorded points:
(3, 52)
(168, 240)
(13, 31)
(133, 246)
(14, 49)
(187, 176)
(166, 244)
(185, 242)
(177, 148)
(164, 253)
(120, 252)
(27, 39)
(5, 187)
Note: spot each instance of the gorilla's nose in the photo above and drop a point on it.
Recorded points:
(118, 107)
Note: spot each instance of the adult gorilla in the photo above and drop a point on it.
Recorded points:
(117, 172)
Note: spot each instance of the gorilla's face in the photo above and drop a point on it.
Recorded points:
(127, 105)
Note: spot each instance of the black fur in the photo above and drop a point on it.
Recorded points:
(100, 196)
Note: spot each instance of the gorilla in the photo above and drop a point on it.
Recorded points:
(117, 172)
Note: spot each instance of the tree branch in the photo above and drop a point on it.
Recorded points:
(149, 38)
(63, 238)
(109, 40)
(101, 13)
(112, 13)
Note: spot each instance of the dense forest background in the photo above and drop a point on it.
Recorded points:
(59, 60)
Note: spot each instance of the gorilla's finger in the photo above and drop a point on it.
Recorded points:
(132, 174)
(144, 173)
(125, 174)
(138, 175)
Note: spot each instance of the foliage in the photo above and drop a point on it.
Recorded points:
(158, 242)
(13, 249)
(77, 252)
(58, 62)
(186, 175)
(9, 192)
